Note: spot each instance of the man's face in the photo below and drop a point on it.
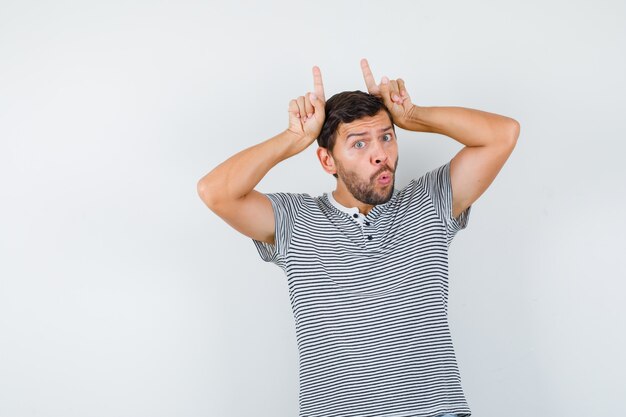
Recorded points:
(366, 158)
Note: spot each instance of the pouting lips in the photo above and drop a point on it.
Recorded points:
(384, 178)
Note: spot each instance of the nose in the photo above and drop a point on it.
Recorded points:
(379, 155)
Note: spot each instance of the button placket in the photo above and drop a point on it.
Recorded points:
(367, 231)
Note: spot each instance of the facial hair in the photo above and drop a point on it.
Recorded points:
(365, 191)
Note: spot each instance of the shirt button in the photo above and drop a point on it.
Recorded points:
(355, 215)
(367, 223)
(369, 237)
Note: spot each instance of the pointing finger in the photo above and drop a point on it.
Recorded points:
(370, 82)
(318, 85)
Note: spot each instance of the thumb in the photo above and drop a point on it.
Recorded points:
(404, 95)
(293, 109)
(385, 91)
(317, 103)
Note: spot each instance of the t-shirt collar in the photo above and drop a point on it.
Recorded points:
(349, 210)
(353, 212)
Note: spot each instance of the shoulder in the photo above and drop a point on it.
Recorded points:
(289, 198)
(409, 191)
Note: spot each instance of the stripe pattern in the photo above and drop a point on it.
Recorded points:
(370, 302)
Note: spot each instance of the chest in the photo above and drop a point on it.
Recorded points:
(336, 253)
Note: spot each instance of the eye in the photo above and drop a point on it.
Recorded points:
(387, 137)
(359, 144)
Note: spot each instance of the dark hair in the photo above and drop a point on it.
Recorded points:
(346, 107)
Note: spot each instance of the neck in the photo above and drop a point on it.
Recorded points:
(343, 197)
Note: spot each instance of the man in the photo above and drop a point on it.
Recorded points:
(367, 264)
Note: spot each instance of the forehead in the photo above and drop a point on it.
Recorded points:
(379, 121)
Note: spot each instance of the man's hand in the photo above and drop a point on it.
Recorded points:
(393, 93)
(228, 190)
(306, 113)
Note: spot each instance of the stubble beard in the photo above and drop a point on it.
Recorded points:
(365, 191)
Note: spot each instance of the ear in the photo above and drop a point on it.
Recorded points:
(327, 160)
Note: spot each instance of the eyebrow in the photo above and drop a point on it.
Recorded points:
(365, 133)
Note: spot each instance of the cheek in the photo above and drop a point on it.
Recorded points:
(354, 157)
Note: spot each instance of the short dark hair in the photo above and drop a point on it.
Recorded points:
(346, 107)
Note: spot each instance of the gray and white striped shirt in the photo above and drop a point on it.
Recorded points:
(370, 301)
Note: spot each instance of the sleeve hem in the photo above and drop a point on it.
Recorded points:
(462, 221)
(285, 207)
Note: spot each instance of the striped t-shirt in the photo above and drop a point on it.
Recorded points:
(370, 301)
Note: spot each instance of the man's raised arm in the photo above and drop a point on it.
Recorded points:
(228, 190)
(489, 138)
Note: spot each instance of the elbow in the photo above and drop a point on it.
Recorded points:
(205, 192)
(515, 130)
(509, 134)
(200, 189)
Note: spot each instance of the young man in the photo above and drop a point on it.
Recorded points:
(367, 264)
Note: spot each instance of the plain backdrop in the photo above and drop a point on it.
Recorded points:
(121, 294)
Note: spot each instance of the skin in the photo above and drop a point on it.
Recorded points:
(363, 150)
(489, 138)
(228, 190)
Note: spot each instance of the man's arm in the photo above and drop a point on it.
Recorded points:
(489, 138)
(228, 190)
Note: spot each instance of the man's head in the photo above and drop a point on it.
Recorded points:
(358, 146)
(347, 107)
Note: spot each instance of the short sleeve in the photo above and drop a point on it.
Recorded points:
(438, 186)
(285, 207)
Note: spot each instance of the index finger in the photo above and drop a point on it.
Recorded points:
(318, 85)
(370, 82)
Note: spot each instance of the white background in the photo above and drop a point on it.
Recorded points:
(121, 294)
